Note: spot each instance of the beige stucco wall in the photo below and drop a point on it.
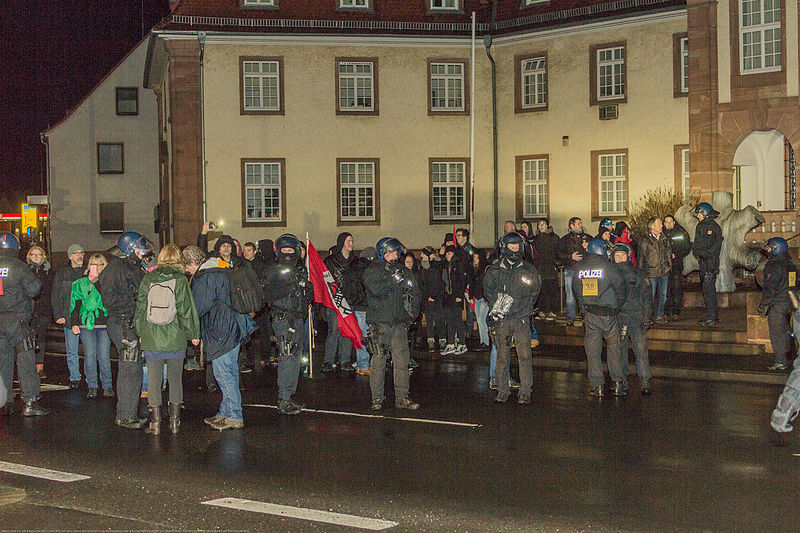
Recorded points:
(76, 187)
(311, 136)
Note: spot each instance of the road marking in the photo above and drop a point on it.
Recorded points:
(327, 517)
(47, 387)
(362, 415)
(41, 473)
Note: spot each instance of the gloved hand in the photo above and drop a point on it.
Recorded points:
(398, 275)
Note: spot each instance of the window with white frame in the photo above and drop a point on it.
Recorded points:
(259, 3)
(356, 86)
(449, 190)
(534, 2)
(611, 73)
(684, 64)
(263, 191)
(357, 191)
(687, 189)
(354, 3)
(760, 35)
(444, 4)
(261, 85)
(534, 82)
(447, 86)
(612, 181)
(534, 188)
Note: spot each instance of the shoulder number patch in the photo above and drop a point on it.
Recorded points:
(710, 232)
(590, 287)
(792, 278)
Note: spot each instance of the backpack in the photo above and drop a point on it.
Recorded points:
(161, 308)
(247, 294)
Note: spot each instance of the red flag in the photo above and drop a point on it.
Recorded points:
(326, 292)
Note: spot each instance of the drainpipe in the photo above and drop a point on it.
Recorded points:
(46, 142)
(487, 42)
(201, 39)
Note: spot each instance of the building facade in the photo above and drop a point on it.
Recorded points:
(355, 115)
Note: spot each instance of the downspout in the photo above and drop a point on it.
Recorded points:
(46, 142)
(487, 42)
(201, 39)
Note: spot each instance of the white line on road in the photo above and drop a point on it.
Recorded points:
(362, 415)
(327, 517)
(41, 473)
(47, 387)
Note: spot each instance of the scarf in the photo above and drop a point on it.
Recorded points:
(91, 304)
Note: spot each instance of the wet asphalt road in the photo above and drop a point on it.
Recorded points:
(694, 456)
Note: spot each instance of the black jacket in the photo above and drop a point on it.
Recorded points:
(598, 286)
(258, 266)
(638, 299)
(520, 280)
(338, 266)
(679, 241)
(20, 287)
(707, 244)
(118, 285)
(388, 285)
(431, 283)
(546, 246)
(41, 304)
(569, 243)
(61, 290)
(202, 243)
(353, 286)
(287, 288)
(454, 274)
(775, 287)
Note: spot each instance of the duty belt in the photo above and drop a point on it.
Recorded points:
(601, 310)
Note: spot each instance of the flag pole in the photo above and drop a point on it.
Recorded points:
(472, 135)
(310, 320)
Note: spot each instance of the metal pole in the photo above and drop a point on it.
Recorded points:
(487, 41)
(310, 321)
(472, 134)
(201, 39)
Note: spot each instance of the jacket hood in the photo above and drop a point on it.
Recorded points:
(368, 253)
(225, 239)
(164, 272)
(214, 262)
(620, 227)
(340, 240)
(267, 250)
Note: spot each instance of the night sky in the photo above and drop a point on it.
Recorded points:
(53, 53)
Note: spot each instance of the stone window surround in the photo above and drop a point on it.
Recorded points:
(756, 79)
(678, 159)
(375, 100)
(465, 87)
(459, 7)
(376, 188)
(593, 67)
(520, 189)
(243, 4)
(272, 223)
(122, 158)
(359, 9)
(518, 59)
(467, 179)
(595, 164)
(281, 107)
(677, 65)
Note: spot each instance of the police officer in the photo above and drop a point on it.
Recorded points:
(780, 275)
(118, 285)
(706, 247)
(393, 302)
(601, 291)
(288, 292)
(511, 286)
(18, 287)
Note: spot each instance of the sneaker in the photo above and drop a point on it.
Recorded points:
(450, 349)
(522, 399)
(550, 317)
(597, 392)
(644, 387)
(460, 349)
(492, 384)
(406, 403)
(211, 420)
(709, 322)
(675, 317)
(296, 405)
(578, 323)
(377, 405)
(620, 388)
(362, 371)
(131, 423)
(778, 367)
(228, 423)
(431, 345)
(483, 348)
(327, 368)
(287, 407)
(92, 393)
(412, 363)
(73, 385)
(244, 369)
(501, 398)
(109, 393)
(346, 367)
(513, 384)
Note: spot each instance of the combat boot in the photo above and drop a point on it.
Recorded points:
(32, 408)
(174, 417)
(155, 421)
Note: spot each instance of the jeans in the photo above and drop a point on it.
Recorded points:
(362, 355)
(481, 312)
(659, 286)
(96, 352)
(456, 330)
(435, 327)
(470, 323)
(638, 337)
(74, 366)
(226, 370)
(571, 304)
(335, 341)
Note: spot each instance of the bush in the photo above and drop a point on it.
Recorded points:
(656, 202)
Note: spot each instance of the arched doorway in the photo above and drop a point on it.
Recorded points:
(764, 172)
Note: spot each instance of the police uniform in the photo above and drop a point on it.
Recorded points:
(706, 247)
(18, 287)
(780, 274)
(519, 280)
(601, 290)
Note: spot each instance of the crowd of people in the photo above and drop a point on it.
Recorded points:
(242, 306)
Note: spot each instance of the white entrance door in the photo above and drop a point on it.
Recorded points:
(761, 171)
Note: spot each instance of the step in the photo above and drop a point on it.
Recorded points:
(667, 345)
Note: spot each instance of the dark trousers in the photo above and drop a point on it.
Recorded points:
(155, 375)
(389, 339)
(40, 323)
(289, 332)
(548, 297)
(456, 329)
(675, 289)
(708, 284)
(780, 330)
(129, 375)
(10, 339)
(335, 342)
(435, 326)
(504, 332)
(638, 336)
(599, 328)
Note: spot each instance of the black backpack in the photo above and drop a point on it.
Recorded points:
(247, 294)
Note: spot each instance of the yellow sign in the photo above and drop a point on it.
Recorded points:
(30, 218)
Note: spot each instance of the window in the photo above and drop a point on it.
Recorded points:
(359, 5)
(532, 180)
(531, 77)
(358, 191)
(528, 3)
(259, 3)
(110, 158)
(127, 100)
(610, 73)
(682, 183)
(760, 35)
(685, 65)
(680, 65)
(447, 87)
(260, 85)
(112, 217)
(449, 191)
(444, 5)
(609, 182)
(356, 85)
(263, 192)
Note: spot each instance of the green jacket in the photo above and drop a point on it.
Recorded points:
(176, 334)
(84, 291)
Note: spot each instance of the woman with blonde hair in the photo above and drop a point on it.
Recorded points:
(165, 320)
(40, 318)
(87, 318)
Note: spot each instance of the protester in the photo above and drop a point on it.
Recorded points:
(338, 262)
(40, 319)
(59, 300)
(431, 285)
(570, 253)
(415, 329)
(681, 246)
(477, 273)
(356, 295)
(455, 282)
(655, 256)
(546, 245)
